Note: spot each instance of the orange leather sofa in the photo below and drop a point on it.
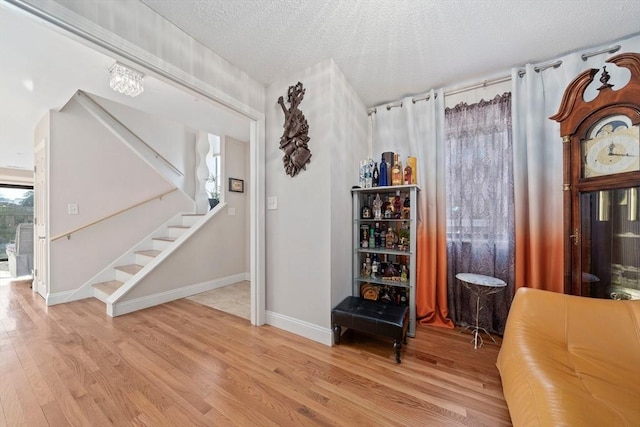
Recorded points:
(571, 361)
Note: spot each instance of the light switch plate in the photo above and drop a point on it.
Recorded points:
(272, 202)
(232, 211)
(73, 208)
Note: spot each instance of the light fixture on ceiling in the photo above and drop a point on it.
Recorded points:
(126, 80)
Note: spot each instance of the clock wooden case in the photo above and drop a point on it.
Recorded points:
(601, 161)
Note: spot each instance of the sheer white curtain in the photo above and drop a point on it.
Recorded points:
(537, 148)
(415, 129)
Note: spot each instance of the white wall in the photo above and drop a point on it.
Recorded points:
(236, 158)
(307, 259)
(90, 167)
(352, 143)
(172, 140)
(204, 258)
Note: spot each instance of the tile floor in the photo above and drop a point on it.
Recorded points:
(233, 299)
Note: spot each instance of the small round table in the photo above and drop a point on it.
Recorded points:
(480, 285)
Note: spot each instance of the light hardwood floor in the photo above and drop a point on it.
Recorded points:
(184, 364)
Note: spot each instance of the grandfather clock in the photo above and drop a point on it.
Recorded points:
(601, 150)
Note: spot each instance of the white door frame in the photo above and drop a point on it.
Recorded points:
(41, 218)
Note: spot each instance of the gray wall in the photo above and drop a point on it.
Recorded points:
(308, 236)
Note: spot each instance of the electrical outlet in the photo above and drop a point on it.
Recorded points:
(73, 209)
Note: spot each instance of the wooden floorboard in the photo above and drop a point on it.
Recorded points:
(184, 363)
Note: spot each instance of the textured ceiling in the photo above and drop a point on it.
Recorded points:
(391, 48)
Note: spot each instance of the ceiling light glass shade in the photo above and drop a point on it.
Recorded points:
(125, 80)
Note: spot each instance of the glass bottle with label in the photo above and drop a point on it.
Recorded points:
(407, 173)
(383, 173)
(372, 237)
(375, 178)
(377, 207)
(365, 211)
(396, 171)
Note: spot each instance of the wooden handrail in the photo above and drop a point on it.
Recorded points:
(104, 218)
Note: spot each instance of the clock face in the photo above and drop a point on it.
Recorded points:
(613, 146)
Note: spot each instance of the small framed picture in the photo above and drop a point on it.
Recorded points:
(236, 185)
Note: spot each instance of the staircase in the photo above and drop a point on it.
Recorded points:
(141, 257)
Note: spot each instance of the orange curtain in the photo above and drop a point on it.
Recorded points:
(414, 129)
(538, 177)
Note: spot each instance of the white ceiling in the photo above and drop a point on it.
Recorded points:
(388, 49)
(58, 66)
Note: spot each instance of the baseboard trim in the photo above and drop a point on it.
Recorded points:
(123, 307)
(58, 297)
(300, 327)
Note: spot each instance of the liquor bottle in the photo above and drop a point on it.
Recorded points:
(407, 173)
(390, 237)
(365, 212)
(396, 171)
(364, 236)
(376, 233)
(377, 207)
(414, 169)
(375, 266)
(375, 178)
(372, 238)
(397, 206)
(404, 274)
(367, 174)
(406, 208)
(361, 174)
(383, 173)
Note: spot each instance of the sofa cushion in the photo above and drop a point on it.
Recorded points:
(569, 360)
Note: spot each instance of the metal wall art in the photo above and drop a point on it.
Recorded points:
(294, 140)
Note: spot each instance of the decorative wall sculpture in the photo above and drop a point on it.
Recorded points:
(294, 140)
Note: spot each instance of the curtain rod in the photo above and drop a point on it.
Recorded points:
(610, 50)
(521, 73)
(485, 83)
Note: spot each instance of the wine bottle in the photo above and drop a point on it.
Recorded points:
(383, 173)
(396, 171)
(375, 178)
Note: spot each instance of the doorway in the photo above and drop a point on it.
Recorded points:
(159, 76)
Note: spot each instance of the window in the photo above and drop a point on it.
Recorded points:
(480, 203)
(16, 207)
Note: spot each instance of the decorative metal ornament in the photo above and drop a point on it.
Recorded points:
(295, 139)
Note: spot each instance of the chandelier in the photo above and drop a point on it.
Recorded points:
(125, 80)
